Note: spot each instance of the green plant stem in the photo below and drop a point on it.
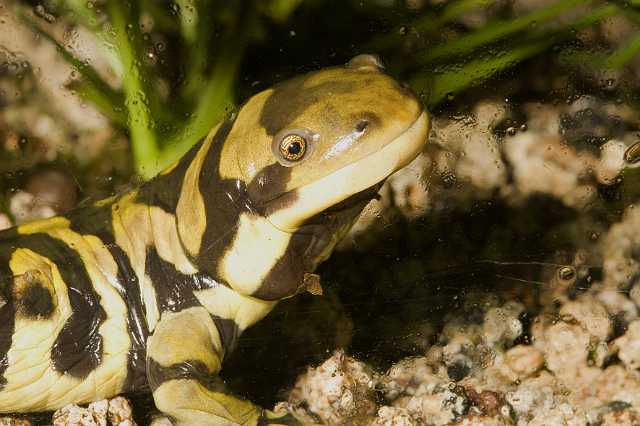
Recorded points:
(495, 31)
(92, 88)
(197, 53)
(622, 56)
(188, 20)
(215, 98)
(428, 23)
(455, 79)
(143, 138)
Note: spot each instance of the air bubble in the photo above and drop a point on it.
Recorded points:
(632, 154)
(41, 12)
(567, 273)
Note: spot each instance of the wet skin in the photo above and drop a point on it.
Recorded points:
(151, 289)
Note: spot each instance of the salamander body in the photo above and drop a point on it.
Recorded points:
(152, 288)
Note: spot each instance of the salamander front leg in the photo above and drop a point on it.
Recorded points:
(184, 356)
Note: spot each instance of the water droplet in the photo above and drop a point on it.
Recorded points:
(403, 30)
(160, 47)
(511, 131)
(523, 127)
(632, 154)
(41, 12)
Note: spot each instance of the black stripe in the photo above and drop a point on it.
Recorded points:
(98, 221)
(7, 310)
(286, 419)
(7, 319)
(164, 190)
(229, 333)
(225, 200)
(174, 290)
(77, 349)
(191, 369)
(306, 245)
(136, 320)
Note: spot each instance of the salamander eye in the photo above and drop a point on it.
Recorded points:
(292, 145)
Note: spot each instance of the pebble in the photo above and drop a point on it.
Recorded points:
(10, 421)
(114, 412)
(628, 346)
(394, 416)
(524, 360)
(339, 390)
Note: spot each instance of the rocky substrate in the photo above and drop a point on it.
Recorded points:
(561, 347)
(574, 363)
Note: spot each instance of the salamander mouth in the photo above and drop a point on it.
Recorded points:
(360, 199)
(350, 185)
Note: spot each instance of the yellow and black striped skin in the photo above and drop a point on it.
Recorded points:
(152, 288)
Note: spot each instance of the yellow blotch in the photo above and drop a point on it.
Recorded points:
(29, 374)
(228, 304)
(116, 340)
(255, 250)
(133, 232)
(184, 336)
(167, 241)
(43, 225)
(190, 212)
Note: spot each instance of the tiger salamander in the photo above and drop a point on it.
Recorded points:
(151, 289)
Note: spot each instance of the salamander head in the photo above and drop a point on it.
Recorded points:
(314, 141)
(309, 154)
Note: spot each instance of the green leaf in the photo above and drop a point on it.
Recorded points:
(93, 87)
(495, 31)
(280, 10)
(140, 121)
(188, 14)
(625, 54)
(428, 23)
(112, 108)
(449, 80)
(216, 97)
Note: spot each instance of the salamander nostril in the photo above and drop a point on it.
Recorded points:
(362, 125)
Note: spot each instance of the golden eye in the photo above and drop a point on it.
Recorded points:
(293, 147)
